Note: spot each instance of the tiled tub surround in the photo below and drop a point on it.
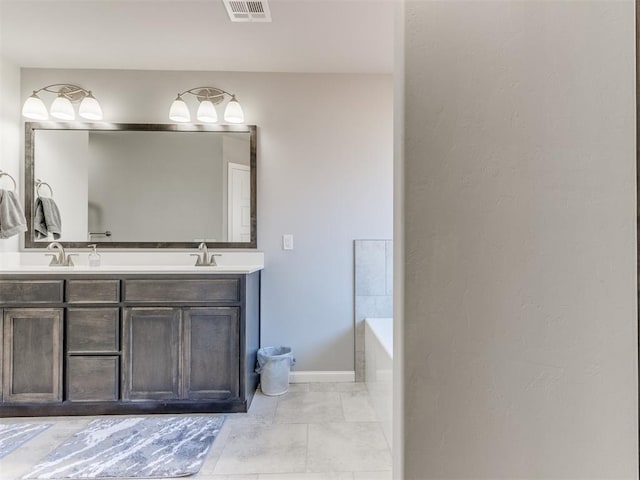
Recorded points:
(379, 370)
(373, 290)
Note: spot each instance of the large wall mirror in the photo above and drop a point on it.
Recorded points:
(141, 185)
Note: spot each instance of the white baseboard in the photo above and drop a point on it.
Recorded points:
(322, 376)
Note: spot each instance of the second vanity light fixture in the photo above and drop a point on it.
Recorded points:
(208, 97)
(62, 107)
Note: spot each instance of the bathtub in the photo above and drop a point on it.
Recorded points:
(378, 348)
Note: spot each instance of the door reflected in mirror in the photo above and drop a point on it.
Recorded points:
(143, 185)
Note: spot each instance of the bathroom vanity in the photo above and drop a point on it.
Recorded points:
(159, 337)
(117, 340)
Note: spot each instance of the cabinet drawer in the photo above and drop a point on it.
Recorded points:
(93, 291)
(93, 330)
(183, 291)
(30, 291)
(93, 379)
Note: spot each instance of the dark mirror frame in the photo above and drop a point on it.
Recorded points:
(29, 156)
(637, 69)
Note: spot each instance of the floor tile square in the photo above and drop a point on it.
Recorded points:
(309, 407)
(262, 410)
(262, 449)
(357, 407)
(347, 447)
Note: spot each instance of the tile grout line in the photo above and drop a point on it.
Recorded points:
(306, 457)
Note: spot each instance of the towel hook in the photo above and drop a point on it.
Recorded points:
(40, 183)
(5, 174)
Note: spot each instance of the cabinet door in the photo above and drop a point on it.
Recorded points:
(32, 355)
(211, 353)
(150, 353)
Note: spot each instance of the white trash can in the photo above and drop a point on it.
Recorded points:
(274, 364)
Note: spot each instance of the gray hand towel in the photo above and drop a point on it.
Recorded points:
(12, 221)
(47, 219)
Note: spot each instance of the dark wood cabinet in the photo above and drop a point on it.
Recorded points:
(109, 344)
(32, 355)
(93, 350)
(190, 353)
(211, 353)
(93, 378)
(93, 291)
(161, 291)
(16, 292)
(151, 351)
(93, 330)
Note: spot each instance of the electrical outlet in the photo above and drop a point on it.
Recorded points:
(287, 242)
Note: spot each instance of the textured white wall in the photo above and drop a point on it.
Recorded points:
(520, 356)
(398, 240)
(324, 175)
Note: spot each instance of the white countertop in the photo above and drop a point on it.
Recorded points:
(131, 269)
(141, 262)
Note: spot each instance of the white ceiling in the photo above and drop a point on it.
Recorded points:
(338, 36)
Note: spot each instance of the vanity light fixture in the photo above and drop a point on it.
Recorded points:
(208, 97)
(62, 106)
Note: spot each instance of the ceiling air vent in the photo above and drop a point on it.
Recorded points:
(248, 10)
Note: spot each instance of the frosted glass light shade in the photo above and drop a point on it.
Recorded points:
(90, 108)
(179, 111)
(34, 108)
(233, 113)
(207, 112)
(61, 108)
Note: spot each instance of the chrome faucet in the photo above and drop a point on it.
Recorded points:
(60, 259)
(204, 258)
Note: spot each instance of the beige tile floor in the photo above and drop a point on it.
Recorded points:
(317, 431)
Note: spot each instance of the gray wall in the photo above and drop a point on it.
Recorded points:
(520, 357)
(324, 175)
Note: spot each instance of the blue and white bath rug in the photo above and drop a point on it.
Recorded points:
(143, 447)
(16, 434)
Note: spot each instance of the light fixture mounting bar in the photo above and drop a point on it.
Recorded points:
(213, 94)
(72, 92)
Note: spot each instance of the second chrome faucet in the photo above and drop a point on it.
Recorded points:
(205, 259)
(60, 259)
